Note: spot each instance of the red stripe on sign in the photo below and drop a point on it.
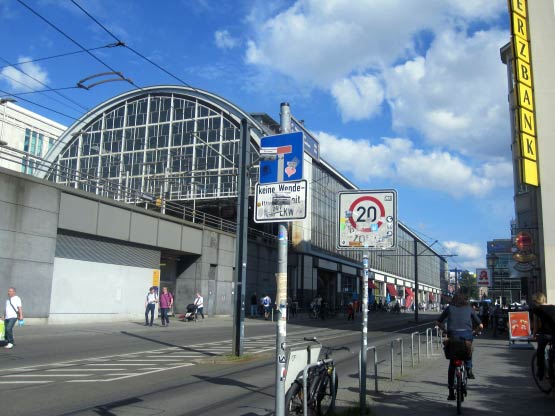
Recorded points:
(282, 150)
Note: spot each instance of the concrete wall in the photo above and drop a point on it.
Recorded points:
(84, 291)
(28, 227)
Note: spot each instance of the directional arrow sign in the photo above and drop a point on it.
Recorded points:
(367, 220)
(281, 158)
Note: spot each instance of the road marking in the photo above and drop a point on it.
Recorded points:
(149, 360)
(107, 365)
(89, 369)
(46, 375)
(26, 382)
(136, 375)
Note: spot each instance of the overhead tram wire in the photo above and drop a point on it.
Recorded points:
(140, 55)
(40, 105)
(111, 45)
(49, 88)
(44, 19)
(40, 91)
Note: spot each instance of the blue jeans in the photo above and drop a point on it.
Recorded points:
(149, 309)
(254, 310)
(467, 336)
(8, 325)
(164, 316)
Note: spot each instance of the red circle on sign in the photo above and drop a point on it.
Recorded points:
(371, 199)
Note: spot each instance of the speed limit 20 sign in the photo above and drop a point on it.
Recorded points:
(367, 220)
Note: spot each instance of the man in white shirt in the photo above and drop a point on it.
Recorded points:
(150, 305)
(13, 313)
(199, 303)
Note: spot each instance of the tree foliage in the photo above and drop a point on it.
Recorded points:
(468, 285)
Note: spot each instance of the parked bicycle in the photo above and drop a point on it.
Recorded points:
(547, 383)
(322, 383)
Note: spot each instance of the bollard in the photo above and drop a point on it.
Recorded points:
(400, 340)
(412, 347)
(392, 346)
(419, 342)
(373, 347)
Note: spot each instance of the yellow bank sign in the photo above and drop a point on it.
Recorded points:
(524, 88)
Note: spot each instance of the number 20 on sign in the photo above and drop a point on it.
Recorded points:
(367, 220)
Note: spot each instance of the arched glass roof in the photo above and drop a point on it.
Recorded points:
(179, 141)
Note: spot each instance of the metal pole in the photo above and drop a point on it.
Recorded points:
(392, 351)
(364, 334)
(416, 305)
(241, 238)
(402, 354)
(281, 292)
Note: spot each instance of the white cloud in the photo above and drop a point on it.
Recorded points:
(397, 159)
(469, 256)
(455, 95)
(19, 82)
(224, 40)
(358, 97)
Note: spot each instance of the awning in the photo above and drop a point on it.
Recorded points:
(408, 291)
(391, 289)
(371, 285)
(408, 301)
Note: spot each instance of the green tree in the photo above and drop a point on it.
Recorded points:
(468, 285)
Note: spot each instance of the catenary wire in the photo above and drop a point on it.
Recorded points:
(44, 19)
(111, 45)
(42, 106)
(43, 84)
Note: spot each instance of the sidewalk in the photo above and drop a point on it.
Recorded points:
(503, 385)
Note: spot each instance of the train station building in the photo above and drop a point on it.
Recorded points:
(152, 175)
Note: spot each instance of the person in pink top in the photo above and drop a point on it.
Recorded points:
(166, 302)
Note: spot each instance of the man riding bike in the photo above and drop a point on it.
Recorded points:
(543, 327)
(461, 319)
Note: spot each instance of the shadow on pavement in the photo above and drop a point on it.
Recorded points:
(167, 344)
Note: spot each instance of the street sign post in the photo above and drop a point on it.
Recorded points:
(281, 158)
(366, 220)
(279, 202)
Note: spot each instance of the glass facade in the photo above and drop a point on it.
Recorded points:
(158, 143)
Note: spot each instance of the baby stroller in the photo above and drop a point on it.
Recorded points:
(191, 313)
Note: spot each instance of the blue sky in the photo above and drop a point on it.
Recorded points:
(402, 94)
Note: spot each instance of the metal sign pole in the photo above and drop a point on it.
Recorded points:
(281, 292)
(241, 246)
(364, 334)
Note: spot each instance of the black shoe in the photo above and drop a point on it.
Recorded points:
(540, 374)
(451, 395)
(146, 324)
(470, 374)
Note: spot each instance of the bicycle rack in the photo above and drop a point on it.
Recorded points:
(400, 340)
(439, 333)
(373, 347)
(429, 342)
(412, 347)
(305, 381)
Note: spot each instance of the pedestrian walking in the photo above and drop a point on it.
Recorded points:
(13, 313)
(350, 312)
(267, 305)
(199, 303)
(150, 306)
(166, 303)
(254, 305)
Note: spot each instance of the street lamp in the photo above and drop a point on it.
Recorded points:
(492, 261)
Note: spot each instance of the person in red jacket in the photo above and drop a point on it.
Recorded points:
(166, 303)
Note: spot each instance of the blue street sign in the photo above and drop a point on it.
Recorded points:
(281, 158)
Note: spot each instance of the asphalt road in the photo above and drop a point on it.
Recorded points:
(129, 369)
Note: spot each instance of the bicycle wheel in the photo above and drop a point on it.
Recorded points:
(327, 394)
(294, 400)
(459, 393)
(545, 384)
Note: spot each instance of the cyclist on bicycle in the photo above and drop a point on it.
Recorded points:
(461, 319)
(543, 327)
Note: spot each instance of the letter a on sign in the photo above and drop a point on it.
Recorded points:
(525, 97)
